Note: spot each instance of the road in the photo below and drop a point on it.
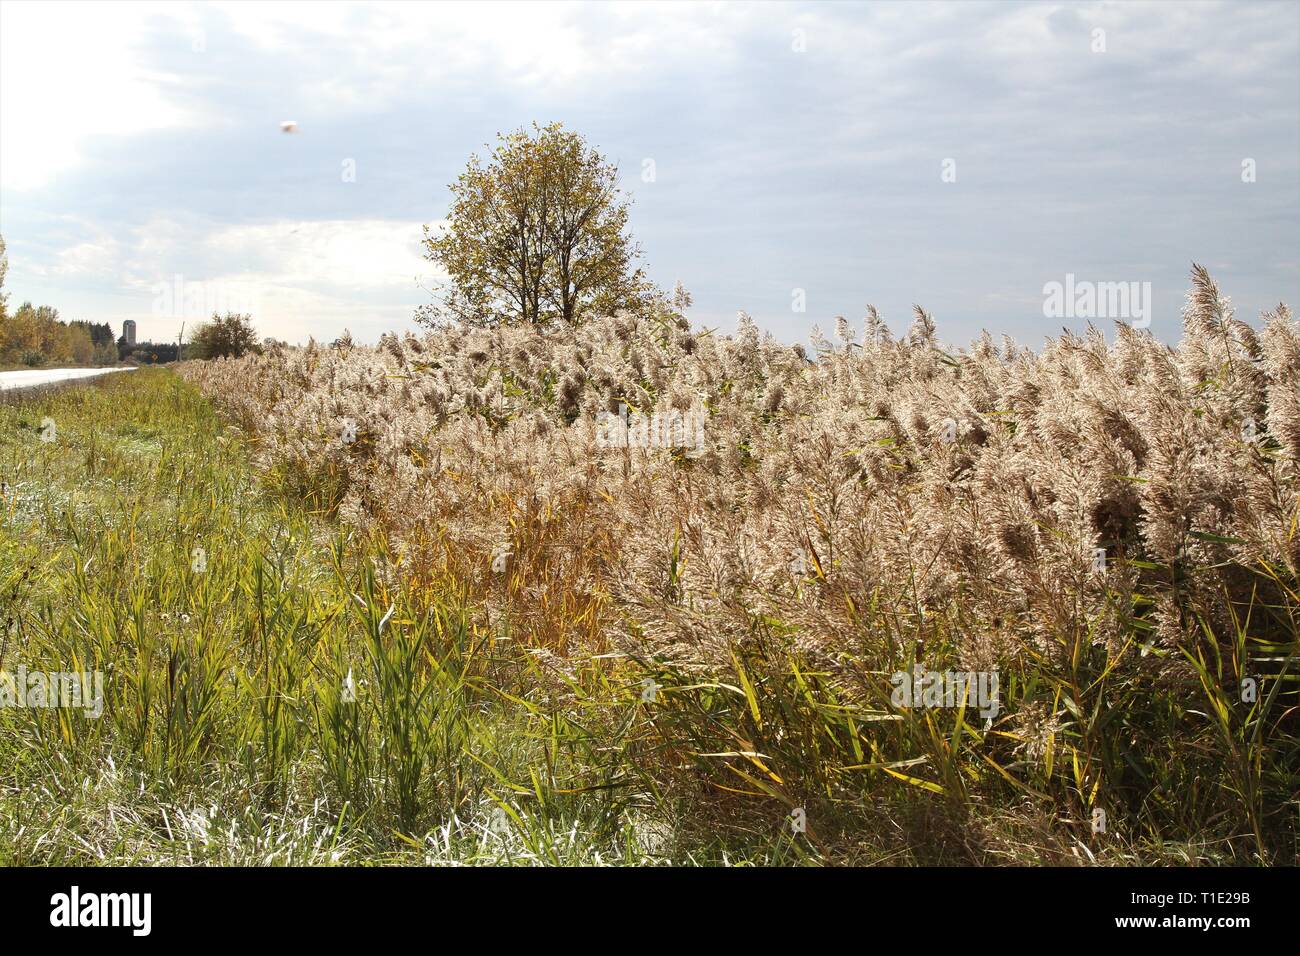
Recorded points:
(26, 378)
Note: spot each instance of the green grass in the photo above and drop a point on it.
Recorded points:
(228, 735)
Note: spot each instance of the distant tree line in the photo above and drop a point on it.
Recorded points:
(147, 353)
(101, 333)
(35, 336)
(223, 336)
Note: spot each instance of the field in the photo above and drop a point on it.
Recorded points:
(431, 602)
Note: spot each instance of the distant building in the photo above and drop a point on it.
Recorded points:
(128, 331)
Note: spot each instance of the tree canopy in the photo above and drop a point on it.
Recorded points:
(536, 235)
(228, 336)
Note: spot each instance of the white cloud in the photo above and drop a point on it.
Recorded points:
(346, 254)
(87, 260)
(70, 72)
(67, 73)
(298, 278)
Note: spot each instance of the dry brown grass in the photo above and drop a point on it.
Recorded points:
(878, 504)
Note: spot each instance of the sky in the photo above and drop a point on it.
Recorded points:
(795, 161)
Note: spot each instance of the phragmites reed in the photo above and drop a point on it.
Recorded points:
(1112, 526)
(888, 468)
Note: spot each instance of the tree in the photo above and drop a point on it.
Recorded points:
(101, 333)
(228, 336)
(538, 235)
(35, 336)
(4, 270)
(20, 337)
(105, 353)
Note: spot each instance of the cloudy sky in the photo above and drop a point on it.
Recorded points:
(958, 155)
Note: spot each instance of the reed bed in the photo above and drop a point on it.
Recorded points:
(444, 618)
(1110, 527)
